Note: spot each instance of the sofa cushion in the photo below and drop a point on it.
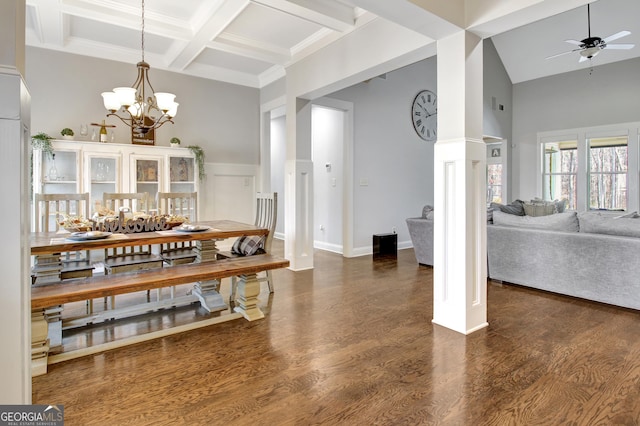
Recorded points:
(594, 223)
(515, 208)
(564, 222)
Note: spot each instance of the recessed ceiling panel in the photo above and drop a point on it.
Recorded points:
(230, 61)
(123, 37)
(271, 26)
(182, 9)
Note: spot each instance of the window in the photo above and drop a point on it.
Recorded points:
(608, 173)
(494, 183)
(560, 172)
(496, 188)
(594, 168)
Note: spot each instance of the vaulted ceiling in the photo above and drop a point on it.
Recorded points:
(250, 42)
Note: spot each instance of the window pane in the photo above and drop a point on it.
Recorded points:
(561, 157)
(494, 183)
(561, 187)
(494, 194)
(494, 174)
(608, 154)
(608, 191)
(607, 177)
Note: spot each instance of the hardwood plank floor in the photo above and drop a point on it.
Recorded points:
(351, 343)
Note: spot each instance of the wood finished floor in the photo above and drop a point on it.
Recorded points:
(351, 343)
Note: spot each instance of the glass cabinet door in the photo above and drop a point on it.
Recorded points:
(182, 174)
(60, 172)
(102, 172)
(148, 177)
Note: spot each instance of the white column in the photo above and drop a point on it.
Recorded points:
(15, 310)
(460, 253)
(298, 186)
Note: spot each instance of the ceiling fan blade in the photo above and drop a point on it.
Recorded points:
(561, 54)
(616, 36)
(576, 42)
(620, 46)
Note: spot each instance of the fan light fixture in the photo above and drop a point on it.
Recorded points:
(591, 46)
(590, 52)
(139, 106)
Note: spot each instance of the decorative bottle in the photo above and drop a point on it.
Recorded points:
(53, 171)
(103, 134)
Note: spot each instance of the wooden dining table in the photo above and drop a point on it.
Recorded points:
(45, 244)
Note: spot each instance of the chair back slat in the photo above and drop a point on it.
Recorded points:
(136, 201)
(48, 206)
(179, 203)
(266, 215)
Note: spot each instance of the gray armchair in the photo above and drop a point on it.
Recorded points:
(421, 232)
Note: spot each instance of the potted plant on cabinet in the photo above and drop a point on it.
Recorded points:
(175, 142)
(67, 133)
(42, 142)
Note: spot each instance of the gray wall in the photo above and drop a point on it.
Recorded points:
(222, 118)
(496, 85)
(389, 157)
(608, 94)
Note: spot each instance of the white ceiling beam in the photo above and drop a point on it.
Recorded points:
(326, 13)
(50, 23)
(487, 18)
(216, 23)
(419, 18)
(250, 48)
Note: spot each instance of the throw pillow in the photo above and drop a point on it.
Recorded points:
(515, 208)
(426, 210)
(540, 209)
(564, 222)
(248, 245)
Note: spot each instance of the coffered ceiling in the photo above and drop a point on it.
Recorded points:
(250, 42)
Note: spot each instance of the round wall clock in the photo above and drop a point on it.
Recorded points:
(424, 112)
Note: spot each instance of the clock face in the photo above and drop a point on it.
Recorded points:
(424, 115)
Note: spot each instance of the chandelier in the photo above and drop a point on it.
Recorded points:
(139, 106)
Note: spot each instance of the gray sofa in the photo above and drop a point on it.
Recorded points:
(421, 233)
(589, 256)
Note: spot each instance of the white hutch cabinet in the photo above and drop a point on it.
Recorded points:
(96, 168)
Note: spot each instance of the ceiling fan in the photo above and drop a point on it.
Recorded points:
(591, 46)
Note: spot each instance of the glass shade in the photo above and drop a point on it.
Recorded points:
(173, 110)
(110, 100)
(135, 110)
(126, 95)
(165, 100)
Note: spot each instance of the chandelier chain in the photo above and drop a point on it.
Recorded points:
(142, 31)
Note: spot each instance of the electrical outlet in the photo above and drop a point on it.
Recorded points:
(394, 229)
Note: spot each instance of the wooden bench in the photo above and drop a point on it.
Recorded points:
(112, 285)
(44, 297)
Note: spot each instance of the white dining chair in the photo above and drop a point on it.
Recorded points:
(182, 204)
(266, 217)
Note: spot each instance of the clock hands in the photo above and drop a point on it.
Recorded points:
(427, 115)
